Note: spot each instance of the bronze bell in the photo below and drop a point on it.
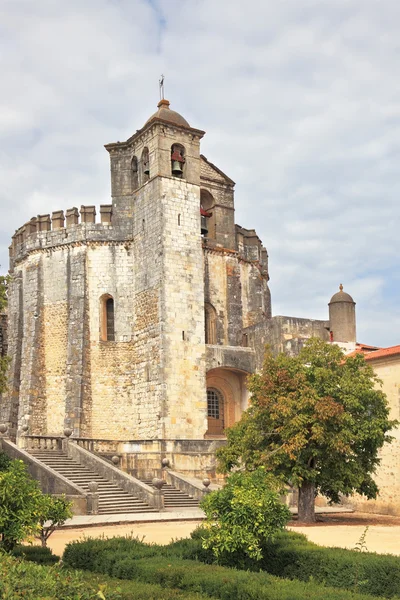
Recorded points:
(146, 169)
(204, 228)
(176, 168)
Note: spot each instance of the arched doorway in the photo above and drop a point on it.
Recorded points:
(227, 398)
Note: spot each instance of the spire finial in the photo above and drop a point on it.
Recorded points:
(341, 287)
(161, 84)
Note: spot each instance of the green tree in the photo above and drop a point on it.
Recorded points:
(317, 420)
(244, 513)
(53, 512)
(4, 281)
(19, 503)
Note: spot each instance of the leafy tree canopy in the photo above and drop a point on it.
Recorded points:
(53, 512)
(4, 280)
(25, 510)
(317, 420)
(19, 497)
(242, 515)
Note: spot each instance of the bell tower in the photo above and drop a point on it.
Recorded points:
(155, 183)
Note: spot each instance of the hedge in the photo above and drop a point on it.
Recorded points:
(122, 559)
(296, 558)
(38, 554)
(20, 579)
(292, 556)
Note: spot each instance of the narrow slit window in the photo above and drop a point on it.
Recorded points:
(107, 320)
(110, 320)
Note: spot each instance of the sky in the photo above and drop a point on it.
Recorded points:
(300, 100)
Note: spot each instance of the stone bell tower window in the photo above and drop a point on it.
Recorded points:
(177, 160)
(145, 162)
(107, 324)
(134, 173)
(207, 216)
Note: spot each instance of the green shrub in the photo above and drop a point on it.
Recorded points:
(290, 556)
(38, 554)
(246, 511)
(367, 572)
(94, 554)
(4, 461)
(19, 579)
(190, 576)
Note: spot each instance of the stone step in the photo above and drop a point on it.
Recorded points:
(173, 497)
(112, 498)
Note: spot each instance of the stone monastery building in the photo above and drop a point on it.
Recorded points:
(143, 327)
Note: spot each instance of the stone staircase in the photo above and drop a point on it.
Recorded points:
(112, 498)
(175, 498)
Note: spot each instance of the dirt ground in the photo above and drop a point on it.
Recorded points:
(341, 530)
(345, 530)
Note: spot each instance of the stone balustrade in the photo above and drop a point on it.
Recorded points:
(99, 446)
(42, 442)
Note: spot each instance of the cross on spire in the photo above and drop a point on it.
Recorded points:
(161, 84)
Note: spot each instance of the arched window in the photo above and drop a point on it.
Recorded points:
(210, 318)
(178, 160)
(215, 412)
(207, 203)
(134, 173)
(107, 324)
(145, 162)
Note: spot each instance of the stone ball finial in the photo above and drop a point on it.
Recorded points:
(206, 482)
(25, 428)
(93, 486)
(341, 287)
(115, 459)
(158, 483)
(165, 462)
(68, 432)
(3, 428)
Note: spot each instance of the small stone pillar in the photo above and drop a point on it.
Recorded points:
(58, 219)
(206, 483)
(3, 431)
(44, 222)
(32, 226)
(72, 216)
(24, 430)
(21, 235)
(159, 496)
(88, 214)
(106, 213)
(93, 498)
(67, 433)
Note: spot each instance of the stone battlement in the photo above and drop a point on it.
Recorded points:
(59, 228)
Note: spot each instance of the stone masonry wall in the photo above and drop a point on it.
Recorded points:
(238, 292)
(283, 334)
(182, 312)
(388, 473)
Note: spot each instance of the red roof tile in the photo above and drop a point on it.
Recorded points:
(383, 352)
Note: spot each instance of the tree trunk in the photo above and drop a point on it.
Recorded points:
(306, 506)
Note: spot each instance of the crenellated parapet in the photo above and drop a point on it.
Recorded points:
(60, 228)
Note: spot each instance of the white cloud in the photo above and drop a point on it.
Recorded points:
(299, 101)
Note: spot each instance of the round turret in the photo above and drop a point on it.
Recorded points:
(342, 317)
